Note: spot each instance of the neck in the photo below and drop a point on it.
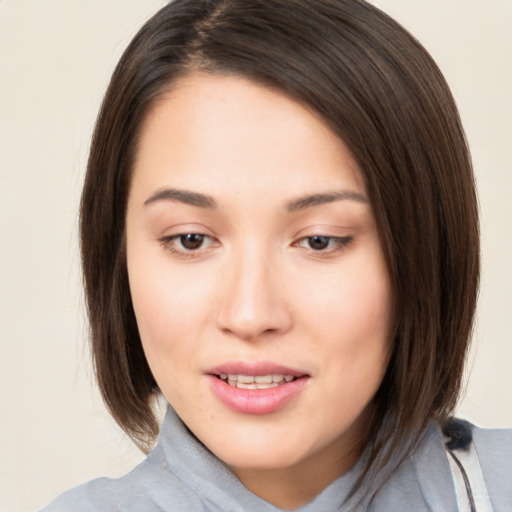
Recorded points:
(293, 486)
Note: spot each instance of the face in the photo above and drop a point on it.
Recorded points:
(257, 277)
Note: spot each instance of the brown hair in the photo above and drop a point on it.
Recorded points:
(382, 94)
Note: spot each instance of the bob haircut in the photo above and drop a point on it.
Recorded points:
(379, 90)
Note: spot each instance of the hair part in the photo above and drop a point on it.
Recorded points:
(379, 90)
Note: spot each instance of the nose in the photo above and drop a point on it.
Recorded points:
(252, 299)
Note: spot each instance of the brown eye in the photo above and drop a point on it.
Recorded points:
(324, 244)
(189, 245)
(191, 241)
(318, 242)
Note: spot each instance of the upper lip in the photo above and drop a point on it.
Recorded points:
(254, 368)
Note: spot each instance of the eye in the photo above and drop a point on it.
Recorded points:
(324, 243)
(187, 244)
(191, 241)
(318, 242)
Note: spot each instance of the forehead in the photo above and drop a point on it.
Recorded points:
(211, 133)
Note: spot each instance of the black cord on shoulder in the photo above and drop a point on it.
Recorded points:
(472, 506)
(458, 436)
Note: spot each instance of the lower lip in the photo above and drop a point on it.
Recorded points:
(256, 401)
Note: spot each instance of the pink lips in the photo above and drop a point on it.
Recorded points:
(256, 401)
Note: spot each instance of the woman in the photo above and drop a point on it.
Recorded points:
(279, 234)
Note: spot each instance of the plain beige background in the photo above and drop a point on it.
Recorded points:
(55, 59)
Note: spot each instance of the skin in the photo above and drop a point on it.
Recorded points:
(255, 289)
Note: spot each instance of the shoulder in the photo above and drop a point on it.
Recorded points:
(425, 478)
(422, 478)
(486, 457)
(150, 487)
(494, 449)
(494, 445)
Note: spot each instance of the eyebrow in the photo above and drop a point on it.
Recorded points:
(183, 196)
(309, 201)
(206, 201)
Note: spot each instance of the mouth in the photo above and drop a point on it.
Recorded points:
(256, 388)
(255, 381)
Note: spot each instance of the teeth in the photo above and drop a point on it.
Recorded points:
(266, 386)
(263, 379)
(256, 381)
(243, 385)
(256, 386)
(246, 379)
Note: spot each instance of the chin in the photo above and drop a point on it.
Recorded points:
(259, 461)
(258, 453)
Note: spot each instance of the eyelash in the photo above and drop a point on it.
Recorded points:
(337, 244)
(169, 241)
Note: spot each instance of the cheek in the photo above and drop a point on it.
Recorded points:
(355, 338)
(170, 308)
(349, 319)
(353, 305)
(354, 335)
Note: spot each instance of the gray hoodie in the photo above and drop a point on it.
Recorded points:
(181, 475)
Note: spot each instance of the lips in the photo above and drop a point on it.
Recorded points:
(256, 388)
